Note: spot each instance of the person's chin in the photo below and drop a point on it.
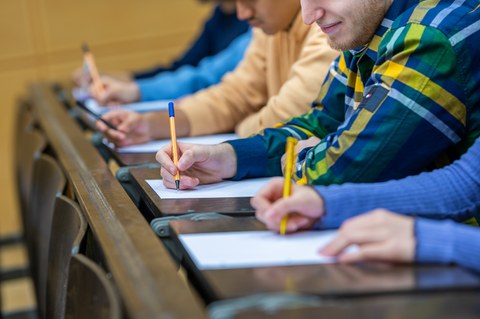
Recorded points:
(338, 44)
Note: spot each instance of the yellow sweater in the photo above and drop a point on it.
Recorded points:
(279, 78)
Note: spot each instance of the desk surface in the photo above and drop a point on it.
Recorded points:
(166, 207)
(326, 280)
(130, 159)
(140, 265)
(463, 305)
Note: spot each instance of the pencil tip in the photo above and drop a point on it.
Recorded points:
(177, 184)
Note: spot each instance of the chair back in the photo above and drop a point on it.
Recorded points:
(68, 230)
(90, 293)
(48, 181)
(30, 145)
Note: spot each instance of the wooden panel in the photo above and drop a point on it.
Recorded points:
(41, 39)
(14, 29)
(11, 84)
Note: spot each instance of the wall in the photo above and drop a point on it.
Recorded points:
(40, 41)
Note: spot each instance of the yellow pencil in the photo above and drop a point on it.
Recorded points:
(92, 69)
(173, 138)
(287, 186)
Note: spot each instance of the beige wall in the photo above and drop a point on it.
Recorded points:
(40, 40)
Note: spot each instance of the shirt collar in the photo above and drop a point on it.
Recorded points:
(298, 29)
(395, 10)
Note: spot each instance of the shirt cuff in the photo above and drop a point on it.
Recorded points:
(251, 157)
(435, 241)
(337, 208)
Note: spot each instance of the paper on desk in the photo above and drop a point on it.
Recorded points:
(84, 96)
(257, 249)
(154, 146)
(244, 188)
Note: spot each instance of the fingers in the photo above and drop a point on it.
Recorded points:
(169, 171)
(377, 251)
(350, 235)
(186, 182)
(380, 235)
(267, 195)
(190, 154)
(164, 157)
(303, 207)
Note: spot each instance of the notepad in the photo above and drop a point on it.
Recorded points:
(257, 249)
(84, 96)
(154, 146)
(225, 189)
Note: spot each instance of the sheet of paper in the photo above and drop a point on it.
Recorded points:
(84, 96)
(137, 107)
(154, 146)
(257, 249)
(244, 188)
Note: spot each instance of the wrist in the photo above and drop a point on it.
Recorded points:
(134, 90)
(148, 121)
(227, 160)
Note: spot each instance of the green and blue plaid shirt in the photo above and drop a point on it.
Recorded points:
(390, 109)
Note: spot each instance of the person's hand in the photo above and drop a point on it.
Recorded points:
(304, 206)
(312, 141)
(132, 128)
(81, 77)
(116, 92)
(380, 235)
(198, 164)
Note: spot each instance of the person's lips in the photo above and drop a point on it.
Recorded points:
(254, 23)
(330, 27)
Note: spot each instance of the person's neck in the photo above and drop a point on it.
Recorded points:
(290, 26)
(227, 7)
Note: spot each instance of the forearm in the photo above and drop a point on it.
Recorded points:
(159, 126)
(447, 242)
(450, 192)
(190, 79)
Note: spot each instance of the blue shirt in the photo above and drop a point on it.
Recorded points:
(452, 192)
(190, 79)
(210, 42)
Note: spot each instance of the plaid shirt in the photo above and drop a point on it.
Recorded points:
(390, 109)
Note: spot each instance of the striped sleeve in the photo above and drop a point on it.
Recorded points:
(421, 100)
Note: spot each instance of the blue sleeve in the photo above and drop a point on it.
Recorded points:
(451, 192)
(447, 242)
(188, 79)
(209, 42)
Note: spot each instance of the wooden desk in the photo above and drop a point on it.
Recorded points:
(238, 207)
(449, 305)
(132, 159)
(63, 95)
(141, 268)
(327, 280)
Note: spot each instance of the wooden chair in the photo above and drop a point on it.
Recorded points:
(90, 294)
(48, 181)
(30, 145)
(68, 230)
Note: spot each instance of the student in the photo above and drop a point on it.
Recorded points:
(449, 193)
(175, 84)
(278, 78)
(209, 43)
(404, 92)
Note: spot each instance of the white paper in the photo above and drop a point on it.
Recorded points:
(244, 188)
(83, 95)
(257, 249)
(137, 107)
(154, 146)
